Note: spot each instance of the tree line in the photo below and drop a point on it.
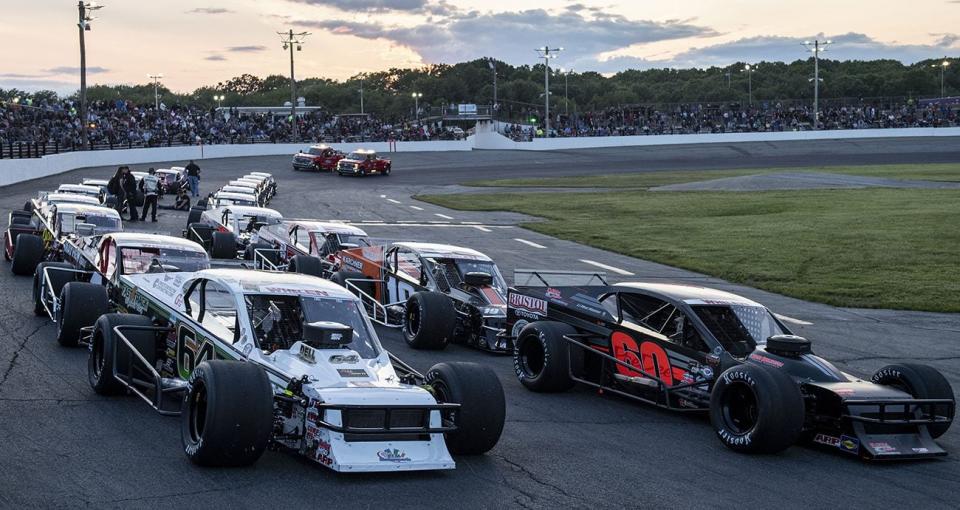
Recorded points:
(520, 88)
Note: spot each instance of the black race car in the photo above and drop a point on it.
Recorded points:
(692, 348)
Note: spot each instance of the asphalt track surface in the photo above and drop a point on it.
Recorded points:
(61, 445)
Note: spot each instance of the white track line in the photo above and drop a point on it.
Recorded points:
(416, 208)
(412, 223)
(791, 319)
(482, 229)
(528, 243)
(392, 200)
(608, 268)
(383, 196)
(444, 216)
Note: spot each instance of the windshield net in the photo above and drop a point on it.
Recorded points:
(315, 152)
(139, 260)
(102, 224)
(278, 320)
(739, 328)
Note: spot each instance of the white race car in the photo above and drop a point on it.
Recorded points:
(226, 231)
(250, 359)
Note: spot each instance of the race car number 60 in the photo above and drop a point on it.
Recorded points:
(649, 356)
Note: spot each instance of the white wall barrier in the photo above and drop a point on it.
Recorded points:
(485, 139)
(17, 170)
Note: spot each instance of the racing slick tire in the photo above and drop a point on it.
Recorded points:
(27, 253)
(305, 264)
(541, 357)
(19, 219)
(756, 409)
(214, 429)
(110, 201)
(24, 214)
(81, 304)
(6, 242)
(386, 171)
(28, 206)
(105, 342)
(203, 202)
(429, 320)
(194, 215)
(200, 233)
(482, 406)
(250, 252)
(223, 245)
(57, 278)
(921, 381)
(341, 277)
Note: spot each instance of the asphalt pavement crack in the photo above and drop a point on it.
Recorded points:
(16, 354)
(537, 479)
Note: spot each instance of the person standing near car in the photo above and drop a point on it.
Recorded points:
(150, 186)
(128, 183)
(193, 175)
(114, 189)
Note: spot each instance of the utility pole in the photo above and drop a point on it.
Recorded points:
(493, 67)
(156, 93)
(289, 40)
(566, 97)
(84, 25)
(416, 105)
(816, 47)
(546, 53)
(361, 94)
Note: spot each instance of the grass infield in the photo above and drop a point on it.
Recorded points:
(872, 248)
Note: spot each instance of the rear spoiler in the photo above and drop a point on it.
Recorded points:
(553, 278)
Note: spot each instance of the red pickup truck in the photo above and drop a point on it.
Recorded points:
(317, 158)
(363, 162)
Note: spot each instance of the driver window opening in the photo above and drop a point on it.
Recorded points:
(213, 306)
(641, 311)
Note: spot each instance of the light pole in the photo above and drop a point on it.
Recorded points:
(566, 98)
(156, 93)
(416, 105)
(749, 70)
(361, 94)
(943, 66)
(289, 40)
(493, 67)
(816, 47)
(546, 53)
(219, 99)
(83, 24)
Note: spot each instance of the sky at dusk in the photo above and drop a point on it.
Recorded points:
(196, 43)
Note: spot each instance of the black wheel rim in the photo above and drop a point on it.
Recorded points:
(531, 358)
(413, 320)
(198, 411)
(99, 359)
(739, 406)
(440, 391)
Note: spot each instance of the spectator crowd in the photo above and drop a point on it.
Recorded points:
(123, 124)
(739, 118)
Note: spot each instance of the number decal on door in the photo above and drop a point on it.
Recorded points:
(649, 357)
(190, 351)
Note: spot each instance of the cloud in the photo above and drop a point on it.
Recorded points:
(849, 46)
(512, 36)
(20, 76)
(246, 49)
(75, 70)
(210, 10)
(32, 85)
(370, 5)
(215, 58)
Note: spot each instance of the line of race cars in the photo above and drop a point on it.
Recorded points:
(278, 313)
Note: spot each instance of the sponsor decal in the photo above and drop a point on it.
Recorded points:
(353, 263)
(734, 439)
(247, 349)
(554, 293)
(164, 287)
(849, 444)
(292, 291)
(133, 299)
(920, 450)
(886, 373)
(530, 304)
(827, 440)
(394, 455)
(518, 327)
(526, 315)
(352, 372)
(882, 447)
(307, 354)
(759, 358)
